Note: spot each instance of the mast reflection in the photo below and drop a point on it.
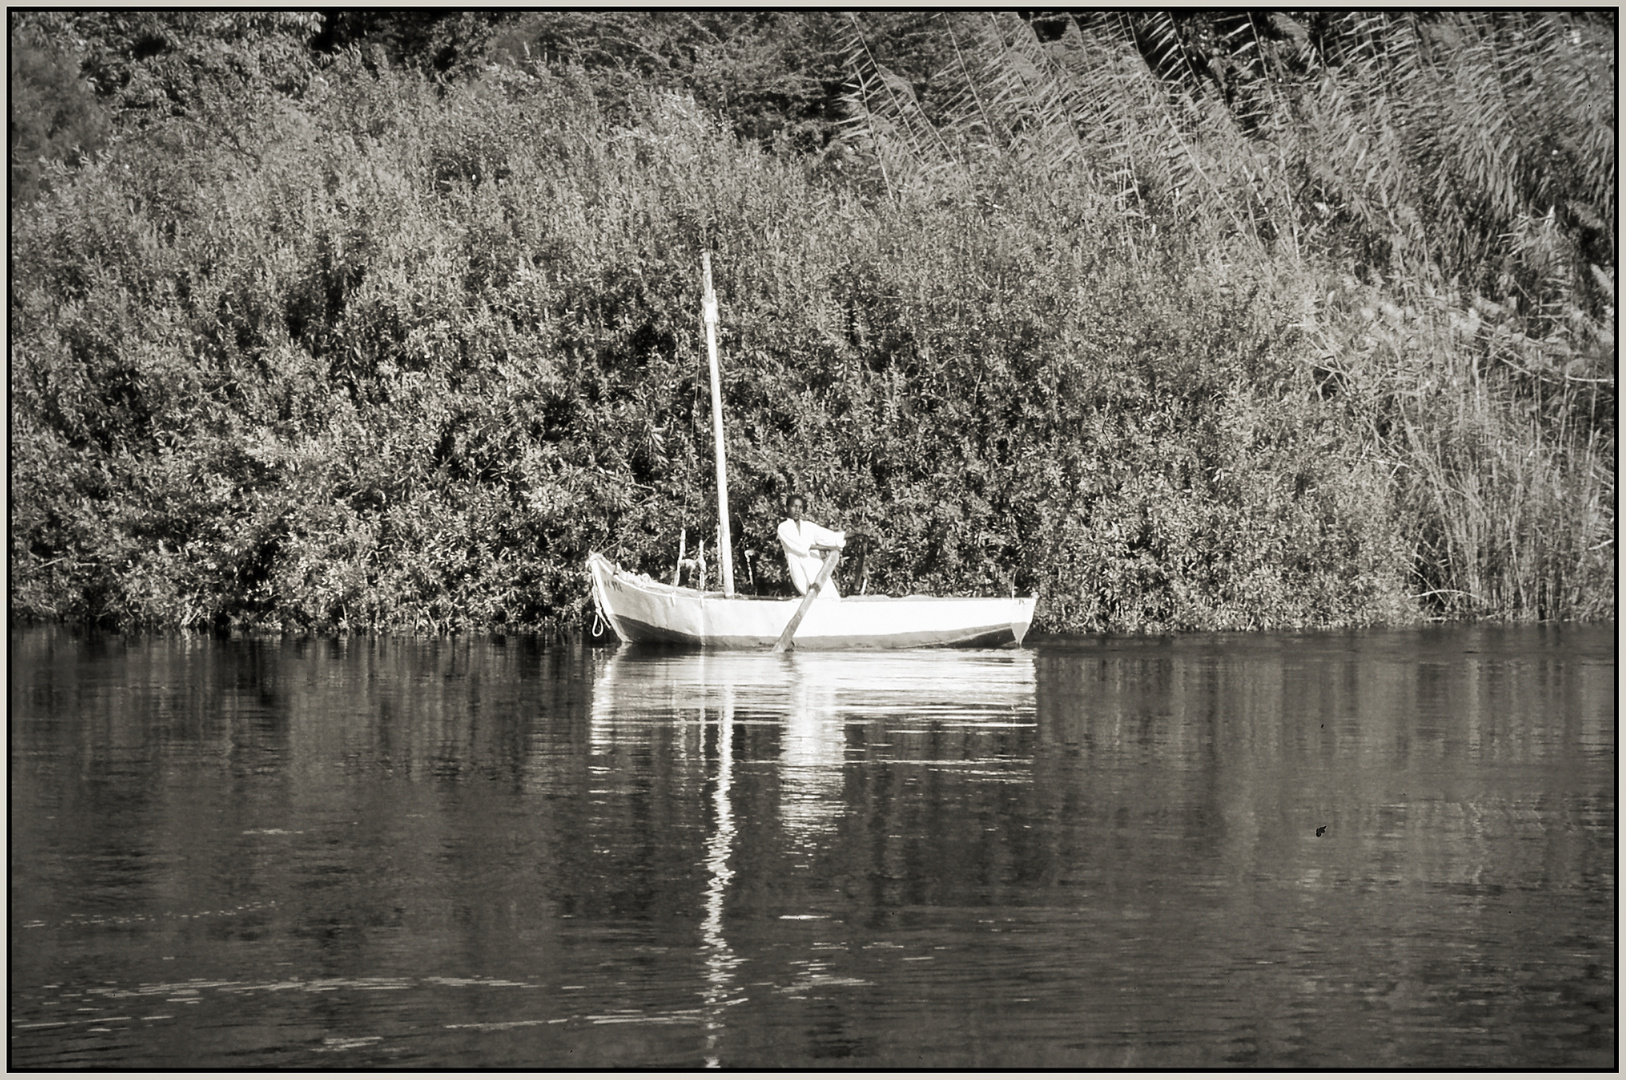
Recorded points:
(720, 959)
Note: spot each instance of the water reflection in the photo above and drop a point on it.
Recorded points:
(802, 722)
(1099, 853)
(810, 763)
(824, 710)
(720, 960)
(804, 717)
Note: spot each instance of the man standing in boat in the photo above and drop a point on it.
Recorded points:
(799, 537)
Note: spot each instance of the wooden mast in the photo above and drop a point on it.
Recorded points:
(725, 547)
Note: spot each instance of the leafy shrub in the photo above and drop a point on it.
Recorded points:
(374, 352)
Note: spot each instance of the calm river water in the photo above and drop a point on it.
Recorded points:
(1391, 849)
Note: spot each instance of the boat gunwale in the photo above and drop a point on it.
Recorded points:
(642, 581)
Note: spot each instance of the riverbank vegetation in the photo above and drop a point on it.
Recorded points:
(382, 321)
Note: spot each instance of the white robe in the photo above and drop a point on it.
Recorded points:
(798, 539)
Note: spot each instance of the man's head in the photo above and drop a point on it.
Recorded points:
(796, 506)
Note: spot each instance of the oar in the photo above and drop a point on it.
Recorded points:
(830, 561)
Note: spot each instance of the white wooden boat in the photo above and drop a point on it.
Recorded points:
(640, 609)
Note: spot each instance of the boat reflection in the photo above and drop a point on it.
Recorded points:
(909, 705)
(816, 716)
(638, 686)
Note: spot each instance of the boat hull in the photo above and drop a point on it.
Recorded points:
(641, 609)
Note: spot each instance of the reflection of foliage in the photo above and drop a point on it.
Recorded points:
(363, 348)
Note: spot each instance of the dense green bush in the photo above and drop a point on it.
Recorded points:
(376, 351)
